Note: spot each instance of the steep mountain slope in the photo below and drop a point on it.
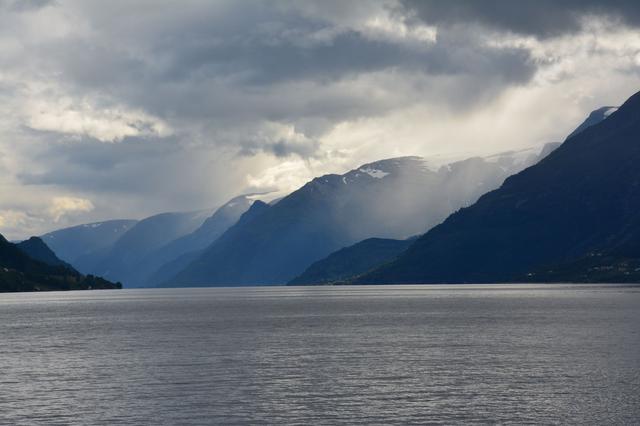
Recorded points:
(595, 117)
(351, 261)
(20, 272)
(72, 243)
(36, 249)
(229, 245)
(581, 201)
(393, 198)
(122, 260)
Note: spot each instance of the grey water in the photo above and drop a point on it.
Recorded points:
(539, 354)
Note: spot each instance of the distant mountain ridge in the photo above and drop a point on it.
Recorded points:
(123, 260)
(178, 254)
(393, 198)
(136, 252)
(212, 227)
(158, 265)
(70, 244)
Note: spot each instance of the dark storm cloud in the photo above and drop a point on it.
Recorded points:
(541, 18)
(347, 54)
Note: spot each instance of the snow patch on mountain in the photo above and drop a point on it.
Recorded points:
(92, 225)
(375, 173)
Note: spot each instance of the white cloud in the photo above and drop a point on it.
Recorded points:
(13, 219)
(284, 177)
(388, 26)
(80, 117)
(61, 206)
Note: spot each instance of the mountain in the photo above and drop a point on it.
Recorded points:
(346, 263)
(210, 230)
(70, 244)
(572, 216)
(143, 252)
(20, 272)
(230, 244)
(123, 260)
(165, 262)
(393, 198)
(351, 261)
(35, 248)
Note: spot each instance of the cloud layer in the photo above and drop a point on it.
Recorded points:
(148, 106)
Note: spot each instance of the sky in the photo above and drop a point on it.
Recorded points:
(124, 109)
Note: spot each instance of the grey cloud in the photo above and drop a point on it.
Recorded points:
(88, 164)
(152, 176)
(243, 77)
(214, 75)
(541, 18)
(283, 148)
(220, 73)
(215, 71)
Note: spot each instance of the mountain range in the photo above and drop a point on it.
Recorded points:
(574, 216)
(394, 198)
(72, 244)
(349, 262)
(333, 228)
(134, 251)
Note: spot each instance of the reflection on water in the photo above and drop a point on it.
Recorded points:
(407, 354)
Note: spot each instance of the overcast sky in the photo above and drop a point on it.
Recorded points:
(122, 109)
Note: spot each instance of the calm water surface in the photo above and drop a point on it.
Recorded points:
(370, 355)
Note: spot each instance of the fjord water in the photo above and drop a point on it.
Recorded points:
(406, 354)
